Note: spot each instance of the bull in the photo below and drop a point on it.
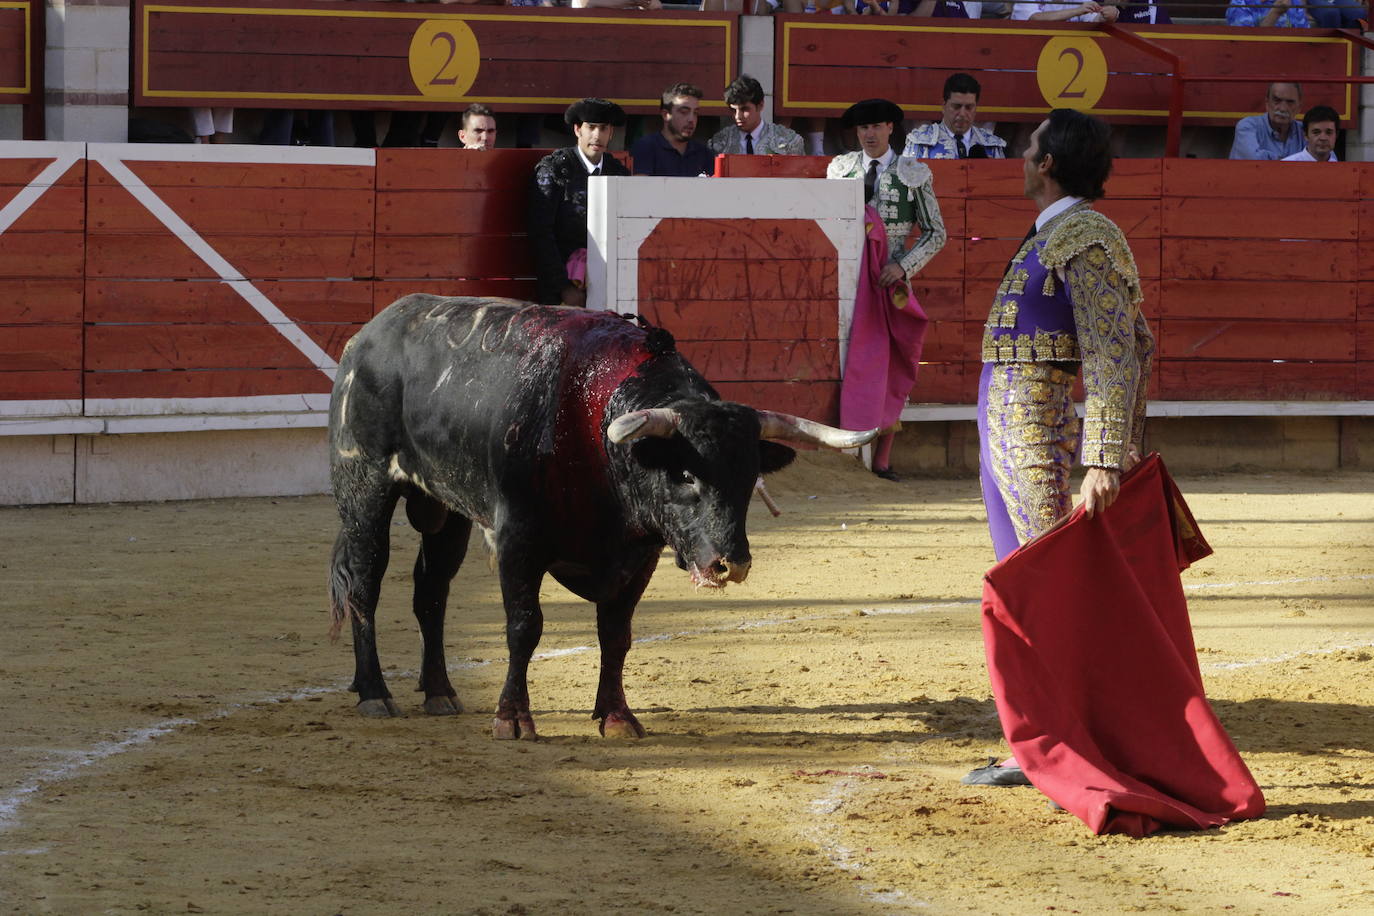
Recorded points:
(579, 442)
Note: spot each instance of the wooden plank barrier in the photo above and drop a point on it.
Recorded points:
(752, 303)
(42, 258)
(1261, 280)
(15, 50)
(822, 64)
(22, 38)
(224, 279)
(1251, 295)
(454, 224)
(359, 55)
(140, 280)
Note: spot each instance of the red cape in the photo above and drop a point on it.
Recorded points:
(1094, 671)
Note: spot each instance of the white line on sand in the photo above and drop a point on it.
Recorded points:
(823, 831)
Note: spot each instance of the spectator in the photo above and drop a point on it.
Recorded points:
(947, 9)
(477, 129)
(1267, 13)
(1051, 11)
(212, 124)
(1148, 13)
(279, 128)
(672, 151)
(818, 6)
(899, 188)
(620, 4)
(1321, 127)
(406, 128)
(558, 206)
(955, 136)
(751, 134)
(1337, 14)
(1271, 135)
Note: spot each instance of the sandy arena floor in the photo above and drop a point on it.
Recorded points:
(177, 736)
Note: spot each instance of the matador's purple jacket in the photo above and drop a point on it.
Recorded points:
(1072, 295)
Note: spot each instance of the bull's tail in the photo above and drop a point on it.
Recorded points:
(341, 590)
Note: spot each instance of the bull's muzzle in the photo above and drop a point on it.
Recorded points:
(732, 571)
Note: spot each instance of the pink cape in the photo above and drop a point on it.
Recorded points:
(884, 341)
(577, 268)
(1095, 674)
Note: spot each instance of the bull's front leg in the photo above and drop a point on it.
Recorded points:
(614, 635)
(524, 626)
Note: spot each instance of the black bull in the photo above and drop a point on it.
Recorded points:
(579, 442)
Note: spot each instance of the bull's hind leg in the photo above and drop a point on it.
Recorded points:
(613, 633)
(520, 579)
(362, 550)
(442, 549)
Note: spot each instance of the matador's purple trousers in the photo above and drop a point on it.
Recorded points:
(1028, 436)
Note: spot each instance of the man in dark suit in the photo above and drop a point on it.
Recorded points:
(558, 204)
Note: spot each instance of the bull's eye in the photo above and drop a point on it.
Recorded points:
(684, 479)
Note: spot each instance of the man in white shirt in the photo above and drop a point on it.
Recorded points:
(1320, 127)
(955, 136)
(900, 189)
(1050, 11)
(558, 200)
(751, 134)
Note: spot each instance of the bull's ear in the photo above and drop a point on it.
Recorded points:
(654, 453)
(774, 457)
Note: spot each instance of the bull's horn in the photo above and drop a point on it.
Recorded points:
(656, 421)
(796, 429)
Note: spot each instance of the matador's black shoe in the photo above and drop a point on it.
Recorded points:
(994, 775)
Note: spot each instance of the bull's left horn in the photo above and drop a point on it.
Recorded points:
(797, 429)
(656, 421)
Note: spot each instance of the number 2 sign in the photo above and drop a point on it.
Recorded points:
(444, 58)
(1071, 72)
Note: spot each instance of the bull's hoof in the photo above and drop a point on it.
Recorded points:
(443, 706)
(511, 729)
(621, 725)
(380, 708)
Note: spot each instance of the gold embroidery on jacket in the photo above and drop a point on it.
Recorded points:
(1032, 437)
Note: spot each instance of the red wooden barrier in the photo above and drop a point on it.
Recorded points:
(22, 37)
(308, 54)
(301, 234)
(768, 335)
(42, 255)
(823, 64)
(1253, 295)
(104, 294)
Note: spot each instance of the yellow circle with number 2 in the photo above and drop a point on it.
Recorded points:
(1072, 72)
(444, 58)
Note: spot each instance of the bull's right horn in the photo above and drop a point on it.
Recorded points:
(656, 421)
(797, 429)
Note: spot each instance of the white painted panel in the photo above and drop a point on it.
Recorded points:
(201, 465)
(38, 469)
(737, 198)
(146, 407)
(54, 408)
(232, 152)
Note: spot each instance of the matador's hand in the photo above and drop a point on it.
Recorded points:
(892, 274)
(1101, 486)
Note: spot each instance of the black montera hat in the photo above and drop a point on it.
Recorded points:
(871, 111)
(595, 111)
